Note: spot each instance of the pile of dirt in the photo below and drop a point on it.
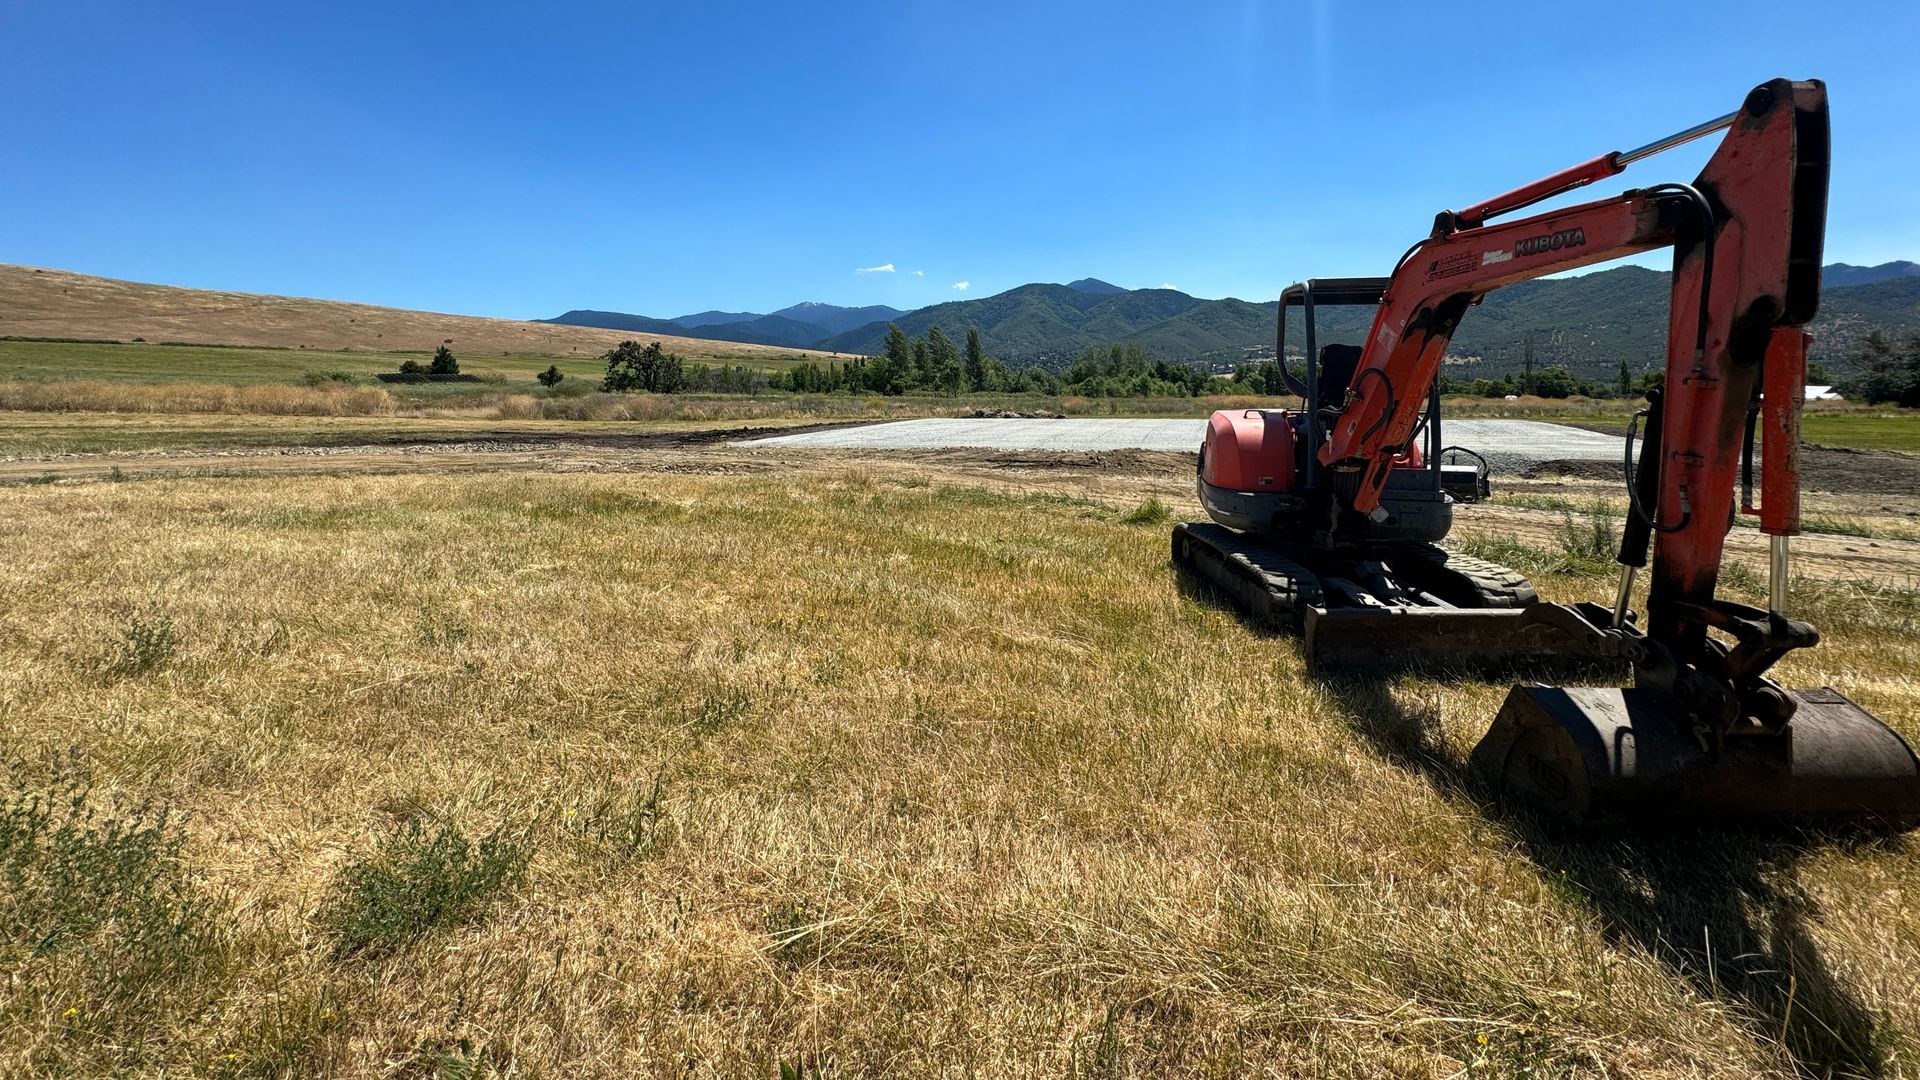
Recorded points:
(1099, 462)
(1011, 414)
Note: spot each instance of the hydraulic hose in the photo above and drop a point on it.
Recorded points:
(1709, 230)
(1644, 487)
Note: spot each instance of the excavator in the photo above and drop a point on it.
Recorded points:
(1327, 519)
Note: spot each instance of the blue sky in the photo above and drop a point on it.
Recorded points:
(519, 160)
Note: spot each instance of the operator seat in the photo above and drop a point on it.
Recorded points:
(1337, 364)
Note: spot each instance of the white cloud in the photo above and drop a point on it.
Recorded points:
(962, 285)
(919, 273)
(1170, 285)
(883, 268)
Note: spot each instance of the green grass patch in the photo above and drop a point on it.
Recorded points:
(1150, 512)
(107, 938)
(1891, 429)
(246, 364)
(419, 877)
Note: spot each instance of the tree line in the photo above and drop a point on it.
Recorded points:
(932, 364)
(1887, 371)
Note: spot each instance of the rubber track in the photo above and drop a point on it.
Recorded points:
(1497, 586)
(1261, 581)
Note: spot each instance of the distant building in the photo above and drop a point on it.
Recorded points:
(1823, 393)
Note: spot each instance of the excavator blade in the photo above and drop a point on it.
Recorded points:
(1594, 755)
(1271, 588)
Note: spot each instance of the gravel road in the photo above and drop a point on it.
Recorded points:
(1509, 445)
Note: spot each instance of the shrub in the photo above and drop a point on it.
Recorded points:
(412, 367)
(519, 407)
(145, 643)
(1592, 537)
(551, 377)
(417, 878)
(324, 379)
(101, 924)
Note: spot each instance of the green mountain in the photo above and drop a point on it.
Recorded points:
(617, 320)
(1834, 275)
(1586, 324)
(1050, 324)
(797, 326)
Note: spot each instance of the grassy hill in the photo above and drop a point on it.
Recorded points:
(42, 303)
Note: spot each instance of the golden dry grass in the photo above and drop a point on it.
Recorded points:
(40, 302)
(95, 395)
(953, 782)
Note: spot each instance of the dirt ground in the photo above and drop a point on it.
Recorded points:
(1822, 469)
(1870, 486)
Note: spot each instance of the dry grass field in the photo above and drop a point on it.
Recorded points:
(696, 764)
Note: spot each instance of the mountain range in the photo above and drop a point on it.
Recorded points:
(1587, 323)
(791, 326)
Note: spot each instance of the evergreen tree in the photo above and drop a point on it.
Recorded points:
(898, 351)
(551, 377)
(922, 370)
(1626, 378)
(882, 375)
(443, 362)
(976, 361)
(944, 371)
(1887, 371)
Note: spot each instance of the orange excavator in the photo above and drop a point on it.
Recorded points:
(1327, 519)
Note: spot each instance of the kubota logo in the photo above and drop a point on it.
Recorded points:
(1565, 238)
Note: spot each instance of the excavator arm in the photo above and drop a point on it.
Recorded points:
(1750, 227)
(1747, 238)
(1704, 731)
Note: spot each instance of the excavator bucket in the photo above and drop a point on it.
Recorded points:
(1596, 755)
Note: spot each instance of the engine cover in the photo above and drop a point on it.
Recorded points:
(1250, 450)
(1250, 481)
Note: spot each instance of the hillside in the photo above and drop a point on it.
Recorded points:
(37, 302)
(1587, 323)
(1048, 324)
(1835, 275)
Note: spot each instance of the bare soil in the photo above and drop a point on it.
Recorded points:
(1822, 468)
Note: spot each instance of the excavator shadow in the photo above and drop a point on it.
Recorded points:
(1721, 907)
